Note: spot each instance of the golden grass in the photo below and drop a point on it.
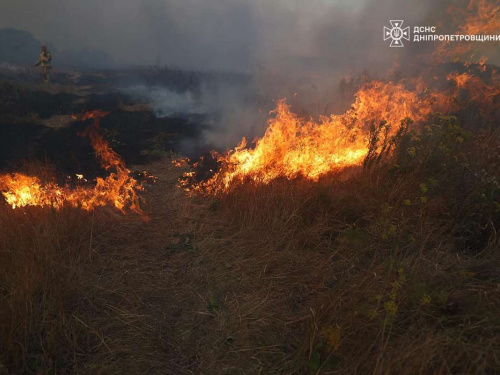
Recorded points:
(351, 300)
(43, 257)
(338, 277)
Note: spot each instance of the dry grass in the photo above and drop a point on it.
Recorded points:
(43, 260)
(348, 275)
(387, 271)
(348, 298)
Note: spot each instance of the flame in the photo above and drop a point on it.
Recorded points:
(459, 79)
(118, 189)
(481, 17)
(478, 90)
(295, 147)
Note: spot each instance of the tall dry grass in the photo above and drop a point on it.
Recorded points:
(43, 257)
(85, 292)
(390, 269)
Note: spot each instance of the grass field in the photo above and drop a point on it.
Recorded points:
(390, 268)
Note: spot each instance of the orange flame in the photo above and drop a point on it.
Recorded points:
(117, 190)
(295, 147)
(479, 91)
(459, 79)
(481, 17)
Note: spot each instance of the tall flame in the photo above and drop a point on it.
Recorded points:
(295, 147)
(118, 189)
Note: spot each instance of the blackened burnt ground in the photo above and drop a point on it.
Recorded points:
(37, 124)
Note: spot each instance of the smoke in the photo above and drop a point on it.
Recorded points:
(293, 49)
(235, 35)
(228, 110)
(165, 102)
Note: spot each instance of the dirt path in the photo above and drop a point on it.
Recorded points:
(175, 296)
(140, 274)
(185, 293)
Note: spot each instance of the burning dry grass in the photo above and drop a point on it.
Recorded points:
(116, 190)
(74, 285)
(388, 264)
(387, 269)
(391, 268)
(353, 273)
(297, 147)
(372, 275)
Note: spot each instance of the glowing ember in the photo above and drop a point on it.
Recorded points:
(117, 190)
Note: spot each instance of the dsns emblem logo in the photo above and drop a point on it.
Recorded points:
(397, 33)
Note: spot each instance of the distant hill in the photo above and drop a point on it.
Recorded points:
(18, 47)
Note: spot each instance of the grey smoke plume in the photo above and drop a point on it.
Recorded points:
(236, 35)
(293, 49)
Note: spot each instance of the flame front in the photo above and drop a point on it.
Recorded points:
(116, 190)
(295, 147)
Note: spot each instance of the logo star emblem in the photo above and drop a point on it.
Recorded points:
(396, 33)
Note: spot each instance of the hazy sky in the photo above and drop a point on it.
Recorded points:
(217, 33)
(222, 34)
